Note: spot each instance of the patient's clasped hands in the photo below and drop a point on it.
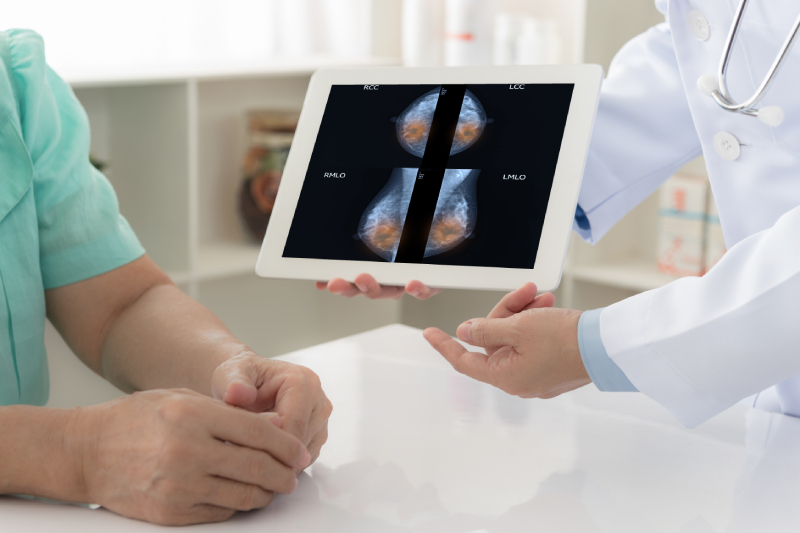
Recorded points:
(177, 456)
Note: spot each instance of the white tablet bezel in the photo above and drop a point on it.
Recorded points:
(560, 209)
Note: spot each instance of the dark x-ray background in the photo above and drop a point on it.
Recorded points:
(357, 136)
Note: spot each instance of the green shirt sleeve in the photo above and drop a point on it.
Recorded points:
(81, 232)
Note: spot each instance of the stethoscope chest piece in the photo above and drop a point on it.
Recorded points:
(772, 115)
(716, 86)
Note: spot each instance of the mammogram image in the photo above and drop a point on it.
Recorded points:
(456, 211)
(382, 223)
(414, 124)
(471, 122)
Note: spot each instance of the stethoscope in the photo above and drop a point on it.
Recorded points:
(717, 87)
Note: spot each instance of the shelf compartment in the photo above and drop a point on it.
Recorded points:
(221, 260)
(635, 274)
(177, 73)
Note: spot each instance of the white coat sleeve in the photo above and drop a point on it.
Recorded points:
(699, 345)
(643, 132)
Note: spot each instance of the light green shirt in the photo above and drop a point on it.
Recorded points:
(59, 218)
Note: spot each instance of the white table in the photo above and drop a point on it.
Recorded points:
(415, 446)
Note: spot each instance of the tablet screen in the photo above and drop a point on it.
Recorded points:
(448, 174)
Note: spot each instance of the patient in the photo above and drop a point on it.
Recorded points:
(67, 254)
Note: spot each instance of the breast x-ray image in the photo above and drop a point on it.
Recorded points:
(414, 124)
(455, 213)
(382, 223)
(447, 174)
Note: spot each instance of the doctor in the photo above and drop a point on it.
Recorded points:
(698, 345)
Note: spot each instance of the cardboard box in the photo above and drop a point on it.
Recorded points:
(681, 226)
(715, 242)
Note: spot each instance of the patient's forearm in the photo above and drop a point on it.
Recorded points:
(166, 340)
(38, 455)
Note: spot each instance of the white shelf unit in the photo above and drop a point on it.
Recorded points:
(174, 147)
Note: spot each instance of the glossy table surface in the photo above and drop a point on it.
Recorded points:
(414, 446)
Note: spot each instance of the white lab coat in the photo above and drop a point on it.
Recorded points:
(699, 345)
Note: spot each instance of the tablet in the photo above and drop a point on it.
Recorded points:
(457, 177)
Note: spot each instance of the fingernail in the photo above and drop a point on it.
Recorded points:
(274, 418)
(362, 287)
(414, 293)
(305, 460)
(463, 331)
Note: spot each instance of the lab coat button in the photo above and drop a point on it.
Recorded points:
(699, 25)
(727, 146)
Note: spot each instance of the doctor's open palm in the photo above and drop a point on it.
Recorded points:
(531, 348)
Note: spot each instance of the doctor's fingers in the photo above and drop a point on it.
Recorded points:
(420, 291)
(472, 364)
(375, 291)
(365, 284)
(250, 467)
(254, 431)
(520, 300)
(490, 332)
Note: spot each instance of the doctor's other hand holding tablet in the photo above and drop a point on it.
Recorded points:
(364, 284)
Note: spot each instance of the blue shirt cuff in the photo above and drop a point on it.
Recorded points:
(581, 224)
(605, 373)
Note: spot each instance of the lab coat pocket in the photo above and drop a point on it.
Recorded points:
(16, 168)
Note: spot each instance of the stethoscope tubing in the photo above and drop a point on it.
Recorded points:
(722, 96)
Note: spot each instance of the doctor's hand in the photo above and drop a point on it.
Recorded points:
(265, 385)
(178, 457)
(366, 285)
(531, 352)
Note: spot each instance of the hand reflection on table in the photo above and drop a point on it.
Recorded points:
(378, 497)
(371, 497)
(771, 476)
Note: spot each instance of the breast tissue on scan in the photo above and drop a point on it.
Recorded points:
(381, 225)
(456, 211)
(382, 222)
(414, 124)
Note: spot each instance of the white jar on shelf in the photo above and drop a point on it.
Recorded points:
(423, 30)
(468, 27)
(539, 42)
(507, 29)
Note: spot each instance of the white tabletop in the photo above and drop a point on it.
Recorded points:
(414, 446)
